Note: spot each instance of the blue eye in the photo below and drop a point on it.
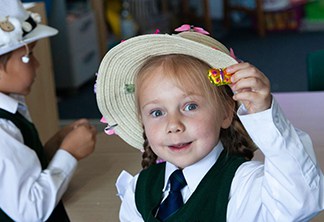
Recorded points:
(191, 106)
(156, 113)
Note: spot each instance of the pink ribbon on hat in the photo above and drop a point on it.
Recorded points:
(109, 130)
(232, 54)
(186, 27)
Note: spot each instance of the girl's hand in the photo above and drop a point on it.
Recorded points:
(250, 86)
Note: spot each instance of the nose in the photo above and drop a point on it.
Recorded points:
(175, 124)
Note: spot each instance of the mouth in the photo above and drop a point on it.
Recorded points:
(179, 146)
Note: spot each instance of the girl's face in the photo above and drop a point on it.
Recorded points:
(181, 128)
(18, 77)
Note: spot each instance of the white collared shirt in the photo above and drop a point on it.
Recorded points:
(288, 186)
(28, 193)
(193, 174)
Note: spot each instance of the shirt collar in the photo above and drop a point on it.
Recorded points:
(194, 173)
(8, 103)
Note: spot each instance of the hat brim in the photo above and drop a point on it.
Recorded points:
(41, 31)
(121, 63)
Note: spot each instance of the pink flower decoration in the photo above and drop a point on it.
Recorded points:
(186, 27)
(110, 131)
(232, 54)
(95, 85)
(160, 161)
(103, 120)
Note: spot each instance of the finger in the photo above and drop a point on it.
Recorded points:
(246, 70)
(253, 101)
(245, 95)
(234, 68)
(85, 124)
(248, 99)
(254, 84)
(93, 129)
(80, 122)
(88, 127)
(250, 93)
(249, 72)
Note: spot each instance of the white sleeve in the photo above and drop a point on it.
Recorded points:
(28, 193)
(126, 185)
(289, 185)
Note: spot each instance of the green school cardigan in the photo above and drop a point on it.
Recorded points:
(207, 203)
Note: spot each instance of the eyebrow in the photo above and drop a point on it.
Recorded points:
(190, 95)
(152, 102)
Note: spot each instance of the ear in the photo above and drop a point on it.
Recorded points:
(228, 115)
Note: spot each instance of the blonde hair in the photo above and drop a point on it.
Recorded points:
(190, 74)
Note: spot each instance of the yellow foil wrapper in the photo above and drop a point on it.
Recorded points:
(219, 77)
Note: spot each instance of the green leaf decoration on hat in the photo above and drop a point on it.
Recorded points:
(129, 88)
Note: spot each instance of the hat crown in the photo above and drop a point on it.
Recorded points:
(204, 39)
(19, 27)
(13, 8)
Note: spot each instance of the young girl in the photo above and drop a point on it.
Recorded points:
(33, 179)
(157, 93)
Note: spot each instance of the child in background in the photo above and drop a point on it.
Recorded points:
(171, 97)
(33, 178)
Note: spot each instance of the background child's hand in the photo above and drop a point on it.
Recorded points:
(251, 87)
(55, 141)
(80, 140)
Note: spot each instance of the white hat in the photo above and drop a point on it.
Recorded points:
(116, 75)
(19, 27)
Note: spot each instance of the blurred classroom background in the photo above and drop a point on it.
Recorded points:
(274, 35)
(283, 38)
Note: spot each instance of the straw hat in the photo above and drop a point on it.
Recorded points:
(115, 81)
(19, 27)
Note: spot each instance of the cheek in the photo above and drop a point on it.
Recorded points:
(207, 128)
(152, 133)
(31, 67)
(28, 76)
(207, 133)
